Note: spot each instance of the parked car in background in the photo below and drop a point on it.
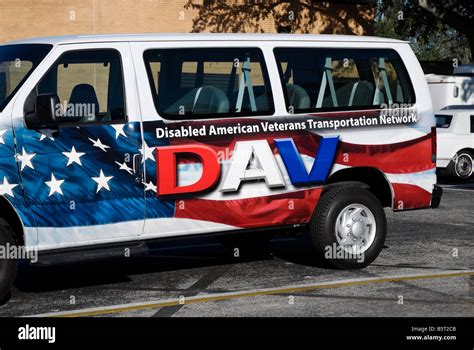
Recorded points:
(452, 90)
(455, 130)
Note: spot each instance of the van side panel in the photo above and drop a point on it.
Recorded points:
(254, 204)
(403, 153)
(78, 182)
(406, 164)
(10, 181)
(417, 191)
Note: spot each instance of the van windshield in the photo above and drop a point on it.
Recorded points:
(17, 62)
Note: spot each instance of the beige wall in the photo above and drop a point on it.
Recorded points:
(30, 18)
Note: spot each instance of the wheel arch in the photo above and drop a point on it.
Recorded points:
(374, 179)
(470, 150)
(10, 215)
(455, 151)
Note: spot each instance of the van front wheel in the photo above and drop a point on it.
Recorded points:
(348, 227)
(8, 264)
(462, 166)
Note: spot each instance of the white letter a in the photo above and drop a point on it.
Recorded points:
(266, 166)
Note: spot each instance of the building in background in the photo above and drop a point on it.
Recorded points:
(33, 18)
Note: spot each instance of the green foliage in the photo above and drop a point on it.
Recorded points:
(430, 36)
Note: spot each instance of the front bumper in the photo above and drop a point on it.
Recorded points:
(436, 196)
(443, 162)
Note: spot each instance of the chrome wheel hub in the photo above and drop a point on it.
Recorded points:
(355, 228)
(463, 165)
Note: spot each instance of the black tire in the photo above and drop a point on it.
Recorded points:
(8, 267)
(457, 167)
(443, 173)
(323, 231)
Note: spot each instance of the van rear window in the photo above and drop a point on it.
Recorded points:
(323, 79)
(197, 83)
(443, 120)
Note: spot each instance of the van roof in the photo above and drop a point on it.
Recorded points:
(74, 39)
(448, 79)
(458, 109)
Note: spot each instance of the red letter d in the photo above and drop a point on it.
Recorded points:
(166, 169)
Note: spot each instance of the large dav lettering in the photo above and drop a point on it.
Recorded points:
(251, 160)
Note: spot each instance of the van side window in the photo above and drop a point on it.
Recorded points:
(11, 74)
(443, 120)
(89, 86)
(223, 82)
(17, 62)
(472, 124)
(342, 79)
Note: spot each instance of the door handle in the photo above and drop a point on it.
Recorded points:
(137, 167)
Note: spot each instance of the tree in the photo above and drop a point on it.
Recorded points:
(436, 32)
(288, 16)
(457, 14)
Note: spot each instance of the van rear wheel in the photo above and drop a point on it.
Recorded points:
(8, 265)
(348, 227)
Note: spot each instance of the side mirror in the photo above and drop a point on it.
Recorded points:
(46, 114)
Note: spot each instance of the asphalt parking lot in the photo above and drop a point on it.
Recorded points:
(426, 269)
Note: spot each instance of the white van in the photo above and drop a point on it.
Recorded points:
(111, 141)
(452, 90)
(455, 141)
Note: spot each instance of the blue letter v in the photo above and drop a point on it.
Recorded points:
(295, 166)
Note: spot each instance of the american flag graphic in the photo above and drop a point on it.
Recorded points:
(83, 176)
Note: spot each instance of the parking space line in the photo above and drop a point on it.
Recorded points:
(201, 284)
(251, 293)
